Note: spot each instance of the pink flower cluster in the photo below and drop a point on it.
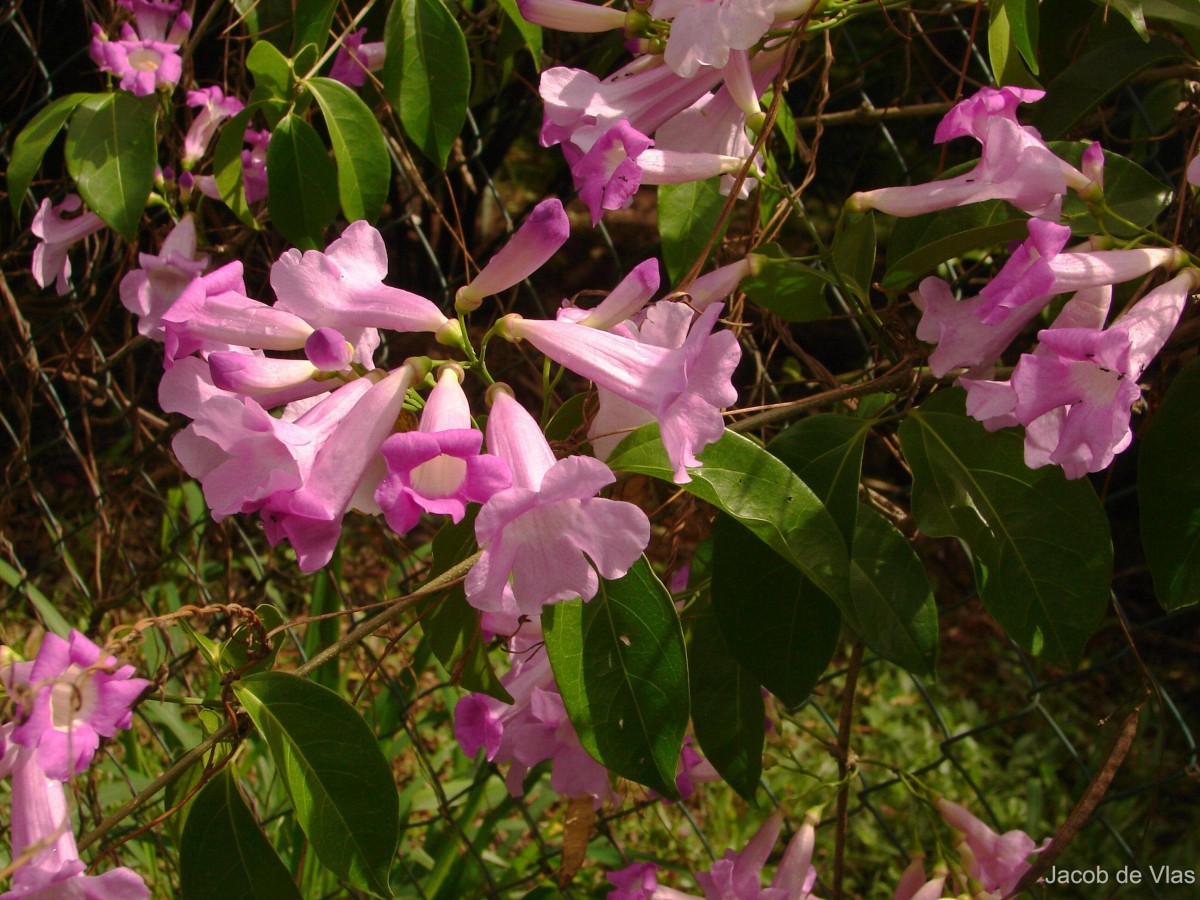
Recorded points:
(736, 876)
(679, 111)
(145, 58)
(63, 702)
(1074, 393)
(545, 534)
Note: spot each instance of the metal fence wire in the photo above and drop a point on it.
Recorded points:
(97, 520)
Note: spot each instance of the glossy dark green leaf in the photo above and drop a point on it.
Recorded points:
(363, 166)
(1132, 12)
(1012, 37)
(790, 288)
(741, 478)
(919, 244)
(223, 854)
(1083, 85)
(853, 252)
(1040, 544)
(687, 217)
(1129, 191)
(775, 622)
(340, 784)
(530, 32)
(427, 74)
(32, 143)
(302, 194)
(728, 714)
(893, 603)
(1181, 12)
(1169, 492)
(452, 625)
(311, 24)
(227, 163)
(621, 666)
(111, 153)
(826, 452)
(567, 419)
(271, 70)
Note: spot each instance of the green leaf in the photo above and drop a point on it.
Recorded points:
(853, 253)
(566, 419)
(111, 152)
(620, 664)
(687, 217)
(227, 163)
(1082, 86)
(1012, 36)
(1181, 12)
(1133, 13)
(826, 452)
(223, 854)
(301, 183)
(532, 33)
(271, 70)
(235, 652)
(919, 244)
(775, 622)
(340, 784)
(1129, 191)
(1040, 544)
(427, 74)
(790, 288)
(742, 479)
(363, 166)
(452, 625)
(311, 24)
(893, 603)
(727, 706)
(1169, 492)
(32, 143)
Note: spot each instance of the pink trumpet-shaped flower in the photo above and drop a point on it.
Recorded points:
(345, 473)
(143, 65)
(535, 728)
(356, 57)
(974, 332)
(607, 175)
(43, 840)
(213, 312)
(214, 108)
(914, 886)
(580, 108)
(1193, 172)
(737, 876)
(80, 696)
(549, 532)
(624, 301)
(159, 20)
(704, 31)
(571, 15)
(684, 388)
(150, 291)
(997, 861)
(58, 234)
(343, 288)
(1015, 166)
(717, 285)
(539, 237)
(240, 454)
(438, 468)
(1075, 395)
